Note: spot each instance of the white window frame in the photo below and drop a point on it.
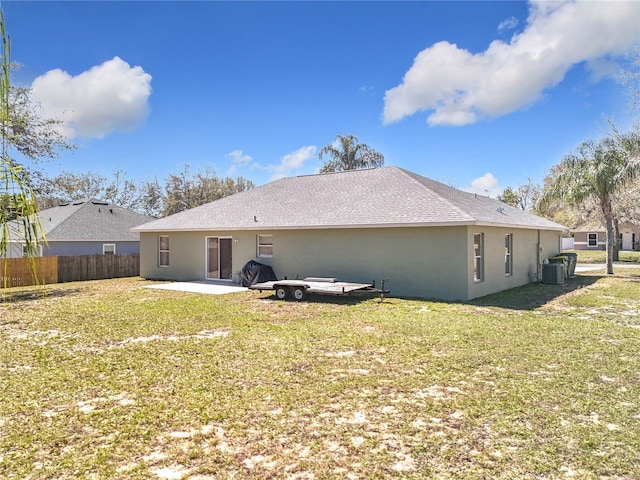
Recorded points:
(478, 257)
(264, 246)
(25, 253)
(104, 247)
(162, 251)
(508, 254)
(595, 242)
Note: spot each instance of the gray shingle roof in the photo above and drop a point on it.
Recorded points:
(381, 197)
(90, 220)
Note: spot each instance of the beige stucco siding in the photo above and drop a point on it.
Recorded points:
(418, 262)
(188, 254)
(425, 262)
(186, 260)
(551, 243)
(525, 258)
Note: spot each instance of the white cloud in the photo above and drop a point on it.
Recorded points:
(459, 87)
(238, 159)
(602, 68)
(291, 162)
(107, 98)
(486, 185)
(508, 24)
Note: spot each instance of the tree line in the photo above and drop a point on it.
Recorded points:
(178, 191)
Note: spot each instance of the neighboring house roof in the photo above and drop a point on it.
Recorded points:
(90, 220)
(380, 197)
(600, 229)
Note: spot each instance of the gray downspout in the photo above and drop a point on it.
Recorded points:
(539, 259)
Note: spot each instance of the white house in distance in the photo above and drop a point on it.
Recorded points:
(428, 239)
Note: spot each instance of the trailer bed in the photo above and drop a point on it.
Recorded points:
(297, 289)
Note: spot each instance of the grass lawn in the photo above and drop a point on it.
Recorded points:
(108, 379)
(600, 256)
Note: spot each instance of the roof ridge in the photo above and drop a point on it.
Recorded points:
(337, 172)
(440, 197)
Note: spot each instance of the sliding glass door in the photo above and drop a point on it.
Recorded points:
(219, 258)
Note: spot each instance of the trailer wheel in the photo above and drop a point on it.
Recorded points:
(298, 293)
(282, 293)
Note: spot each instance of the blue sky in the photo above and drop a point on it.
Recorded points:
(479, 95)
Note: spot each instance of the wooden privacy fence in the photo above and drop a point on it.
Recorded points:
(68, 269)
(17, 272)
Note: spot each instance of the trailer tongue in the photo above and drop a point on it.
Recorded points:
(297, 289)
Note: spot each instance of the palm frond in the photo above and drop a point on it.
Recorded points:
(19, 220)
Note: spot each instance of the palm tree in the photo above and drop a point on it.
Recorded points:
(598, 171)
(347, 154)
(18, 205)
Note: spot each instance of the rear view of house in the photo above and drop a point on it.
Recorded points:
(428, 239)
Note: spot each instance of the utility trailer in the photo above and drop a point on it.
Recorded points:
(298, 289)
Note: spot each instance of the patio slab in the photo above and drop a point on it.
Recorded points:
(200, 287)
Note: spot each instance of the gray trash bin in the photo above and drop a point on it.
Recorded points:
(573, 260)
(564, 261)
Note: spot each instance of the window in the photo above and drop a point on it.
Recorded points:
(163, 251)
(265, 246)
(478, 257)
(37, 251)
(592, 239)
(109, 248)
(508, 251)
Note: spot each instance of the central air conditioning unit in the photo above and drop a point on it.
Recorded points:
(553, 273)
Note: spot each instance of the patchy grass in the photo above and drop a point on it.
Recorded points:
(109, 379)
(600, 256)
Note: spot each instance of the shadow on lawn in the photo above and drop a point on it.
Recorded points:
(534, 295)
(351, 299)
(35, 293)
(526, 297)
